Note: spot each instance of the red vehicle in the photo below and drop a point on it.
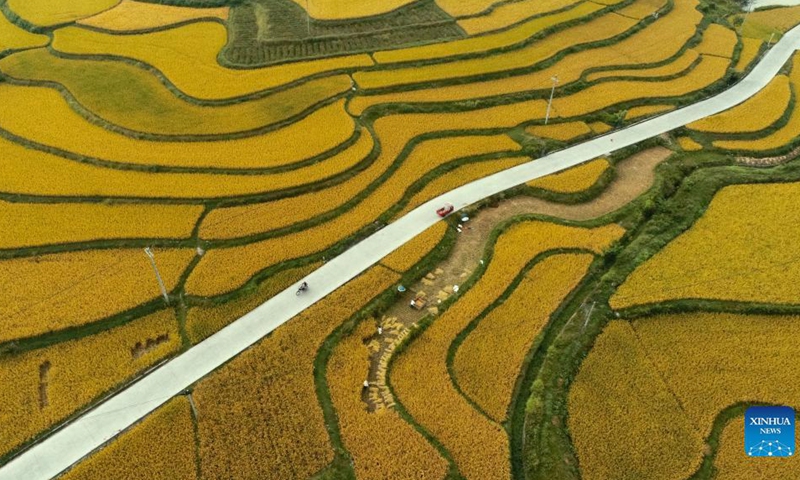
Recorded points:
(446, 209)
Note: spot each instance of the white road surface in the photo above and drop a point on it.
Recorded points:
(79, 438)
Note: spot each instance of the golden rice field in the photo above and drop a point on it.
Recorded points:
(128, 124)
(575, 179)
(172, 458)
(743, 256)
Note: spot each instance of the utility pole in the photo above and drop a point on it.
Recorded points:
(588, 316)
(748, 8)
(550, 102)
(158, 275)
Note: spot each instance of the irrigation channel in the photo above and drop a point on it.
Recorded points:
(67, 445)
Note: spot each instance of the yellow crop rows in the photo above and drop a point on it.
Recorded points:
(162, 445)
(349, 9)
(732, 464)
(623, 419)
(653, 44)
(756, 113)
(412, 252)
(27, 171)
(689, 144)
(718, 41)
(132, 15)
(775, 19)
(107, 91)
(739, 250)
(679, 65)
(511, 13)
(187, 56)
(420, 377)
(81, 287)
(382, 445)
(709, 70)
(746, 362)
(560, 131)
(458, 8)
(602, 28)
(31, 224)
(258, 415)
(45, 13)
(203, 321)
(24, 110)
(750, 48)
(14, 38)
(785, 135)
(487, 364)
(576, 179)
(458, 177)
(647, 110)
(487, 42)
(247, 220)
(52, 383)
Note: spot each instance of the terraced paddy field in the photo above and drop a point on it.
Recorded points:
(167, 166)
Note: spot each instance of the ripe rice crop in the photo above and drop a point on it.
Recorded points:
(732, 464)
(689, 144)
(655, 43)
(349, 9)
(204, 321)
(574, 180)
(246, 220)
(29, 171)
(750, 48)
(487, 364)
(754, 114)
(623, 420)
(187, 56)
(746, 363)
(405, 257)
(32, 224)
(258, 415)
(647, 110)
(223, 269)
(507, 38)
(560, 131)
(420, 376)
(709, 70)
(51, 383)
(511, 13)
(778, 19)
(45, 13)
(739, 250)
(24, 110)
(132, 15)
(106, 88)
(80, 287)
(14, 38)
(600, 127)
(783, 136)
(382, 445)
(718, 41)
(161, 445)
(602, 28)
(679, 65)
(458, 177)
(641, 9)
(458, 8)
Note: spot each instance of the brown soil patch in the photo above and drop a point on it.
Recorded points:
(634, 176)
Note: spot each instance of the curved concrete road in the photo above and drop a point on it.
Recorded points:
(77, 439)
